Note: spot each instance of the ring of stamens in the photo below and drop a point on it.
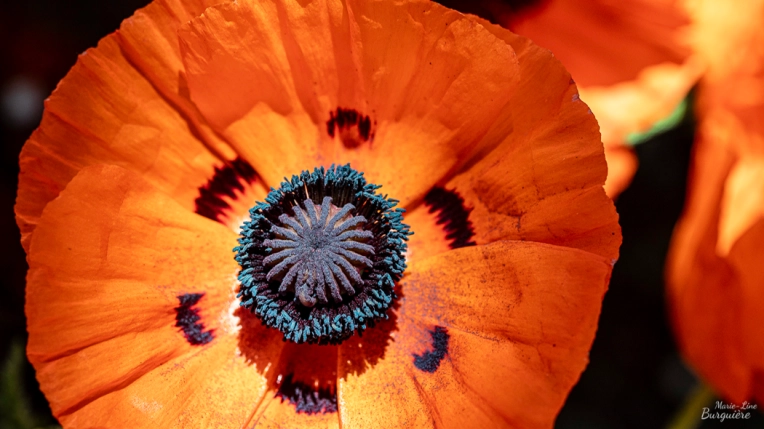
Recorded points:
(320, 257)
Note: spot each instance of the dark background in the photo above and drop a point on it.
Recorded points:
(635, 379)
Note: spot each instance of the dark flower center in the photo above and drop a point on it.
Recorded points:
(321, 256)
(315, 253)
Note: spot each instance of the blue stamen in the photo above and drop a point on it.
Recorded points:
(321, 256)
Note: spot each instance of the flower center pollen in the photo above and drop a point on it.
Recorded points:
(320, 257)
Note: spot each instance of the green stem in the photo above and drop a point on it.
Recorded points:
(688, 416)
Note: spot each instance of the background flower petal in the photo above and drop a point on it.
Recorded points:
(714, 277)
(692, 260)
(632, 35)
(108, 261)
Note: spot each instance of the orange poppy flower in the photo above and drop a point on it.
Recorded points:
(714, 270)
(157, 143)
(629, 59)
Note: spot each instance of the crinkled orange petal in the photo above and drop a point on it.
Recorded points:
(429, 237)
(105, 111)
(408, 397)
(107, 262)
(311, 365)
(549, 157)
(521, 318)
(476, 385)
(529, 186)
(281, 414)
(206, 387)
(149, 40)
(384, 395)
(269, 75)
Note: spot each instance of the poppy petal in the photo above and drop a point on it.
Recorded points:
(631, 78)
(149, 40)
(517, 313)
(477, 385)
(386, 388)
(280, 414)
(108, 261)
(306, 393)
(208, 387)
(105, 111)
(406, 395)
(430, 233)
(516, 190)
(430, 83)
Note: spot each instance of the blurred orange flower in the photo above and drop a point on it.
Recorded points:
(155, 145)
(629, 59)
(715, 273)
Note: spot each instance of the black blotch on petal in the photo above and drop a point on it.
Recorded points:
(307, 399)
(188, 320)
(429, 361)
(226, 181)
(453, 215)
(498, 12)
(346, 120)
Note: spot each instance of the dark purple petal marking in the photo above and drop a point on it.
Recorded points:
(188, 320)
(347, 119)
(226, 181)
(453, 215)
(307, 399)
(429, 361)
(497, 12)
